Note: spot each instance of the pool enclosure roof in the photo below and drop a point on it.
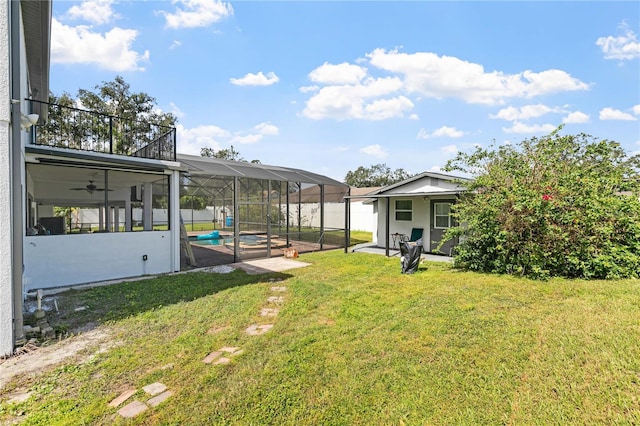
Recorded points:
(206, 167)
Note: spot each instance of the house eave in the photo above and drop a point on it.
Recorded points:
(36, 17)
(63, 155)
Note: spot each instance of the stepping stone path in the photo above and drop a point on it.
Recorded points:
(216, 357)
(256, 330)
(269, 312)
(159, 392)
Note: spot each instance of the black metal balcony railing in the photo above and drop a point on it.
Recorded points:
(73, 128)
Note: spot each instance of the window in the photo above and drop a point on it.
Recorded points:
(442, 215)
(404, 210)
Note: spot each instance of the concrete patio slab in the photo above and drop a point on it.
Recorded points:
(264, 266)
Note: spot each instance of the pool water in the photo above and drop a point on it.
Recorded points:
(247, 239)
(213, 242)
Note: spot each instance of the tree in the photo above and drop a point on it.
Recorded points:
(555, 206)
(224, 154)
(376, 175)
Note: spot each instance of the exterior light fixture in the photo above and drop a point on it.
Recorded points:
(28, 120)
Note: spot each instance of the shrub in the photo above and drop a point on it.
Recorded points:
(554, 206)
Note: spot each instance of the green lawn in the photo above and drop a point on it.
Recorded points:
(355, 343)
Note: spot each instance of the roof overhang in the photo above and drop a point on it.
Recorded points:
(36, 18)
(68, 157)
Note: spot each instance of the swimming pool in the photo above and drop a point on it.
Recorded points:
(250, 240)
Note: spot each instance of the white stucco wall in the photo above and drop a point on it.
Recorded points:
(6, 303)
(61, 260)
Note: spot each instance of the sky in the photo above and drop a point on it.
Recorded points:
(330, 86)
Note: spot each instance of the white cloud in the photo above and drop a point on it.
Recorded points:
(338, 74)
(523, 113)
(615, 114)
(346, 91)
(449, 150)
(576, 117)
(442, 132)
(111, 51)
(624, 46)
(247, 139)
(256, 79)
(367, 101)
(176, 111)
(440, 77)
(306, 89)
(175, 44)
(197, 13)
(636, 109)
(524, 128)
(374, 151)
(256, 134)
(190, 141)
(414, 117)
(267, 129)
(95, 11)
(435, 169)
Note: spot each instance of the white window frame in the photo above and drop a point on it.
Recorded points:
(397, 210)
(436, 216)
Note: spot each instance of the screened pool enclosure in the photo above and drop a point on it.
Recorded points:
(234, 211)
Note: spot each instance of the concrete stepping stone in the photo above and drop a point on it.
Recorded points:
(255, 330)
(278, 300)
(216, 355)
(213, 355)
(122, 397)
(133, 409)
(154, 388)
(278, 289)
(159, 399)
(269, 312)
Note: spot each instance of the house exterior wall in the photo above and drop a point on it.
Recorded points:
(61, 260)
(6, 250)
(421, 218)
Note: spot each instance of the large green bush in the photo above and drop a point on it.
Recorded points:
(551, 206)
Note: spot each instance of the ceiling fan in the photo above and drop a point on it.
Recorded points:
(90, 188)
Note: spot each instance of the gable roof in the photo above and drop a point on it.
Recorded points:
(422, 184)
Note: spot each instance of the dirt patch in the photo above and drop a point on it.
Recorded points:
(36, 360)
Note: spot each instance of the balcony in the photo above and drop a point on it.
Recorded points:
(73, 128)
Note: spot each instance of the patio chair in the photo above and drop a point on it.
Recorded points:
(416, 234)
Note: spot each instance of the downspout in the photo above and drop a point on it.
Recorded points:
(15, 148)
(347, 221)
(321, 217)
(386, 224)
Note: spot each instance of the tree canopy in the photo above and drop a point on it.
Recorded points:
(376, 175)
(554, 206)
